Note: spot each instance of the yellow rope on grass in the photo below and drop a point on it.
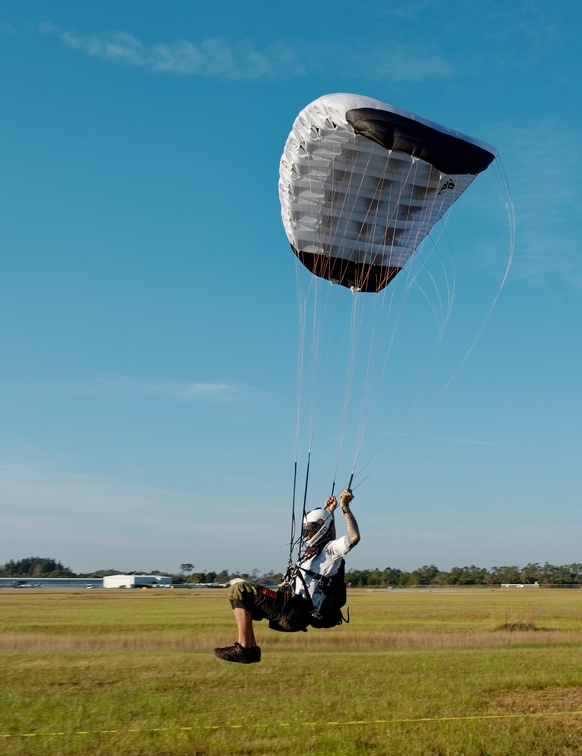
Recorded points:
(354, 722)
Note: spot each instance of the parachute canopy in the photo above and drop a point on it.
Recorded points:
(362, 183)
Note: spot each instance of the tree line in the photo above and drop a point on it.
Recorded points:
(390, 577)
(546, 574)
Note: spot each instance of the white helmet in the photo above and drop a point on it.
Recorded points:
(317, 528)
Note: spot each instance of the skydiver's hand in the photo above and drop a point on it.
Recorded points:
(331, 504)
(345, 497)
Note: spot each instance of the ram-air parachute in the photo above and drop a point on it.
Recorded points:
(362, 183)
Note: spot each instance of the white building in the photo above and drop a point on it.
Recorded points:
(137, 581)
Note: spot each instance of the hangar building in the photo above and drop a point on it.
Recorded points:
(137, 581)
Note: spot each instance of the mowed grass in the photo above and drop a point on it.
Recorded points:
(427, 672)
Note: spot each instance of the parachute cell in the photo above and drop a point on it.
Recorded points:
(362, 183)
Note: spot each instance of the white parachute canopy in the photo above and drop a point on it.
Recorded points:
(362, 183)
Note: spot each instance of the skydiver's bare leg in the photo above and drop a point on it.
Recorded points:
(244, 623)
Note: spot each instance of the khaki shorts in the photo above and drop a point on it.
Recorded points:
(284, 611)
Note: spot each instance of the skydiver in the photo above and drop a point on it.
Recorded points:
(293, 610)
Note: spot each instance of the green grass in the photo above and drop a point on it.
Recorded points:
(131, 672)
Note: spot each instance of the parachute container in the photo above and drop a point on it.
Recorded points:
(362, 183)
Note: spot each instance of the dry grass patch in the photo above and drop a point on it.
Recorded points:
(142, 641)
(519, 626)
(559, 709)
(549, 700)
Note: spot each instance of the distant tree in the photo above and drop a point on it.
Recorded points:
(35, 567)
(506, 574)
(356, 578)
(465, 576)
(454, 577)
(576, 572)
(202, 577)
(424, 575)
(98, 573)
(490, 578)
(376, 578)
(392, 576)
(531, 573)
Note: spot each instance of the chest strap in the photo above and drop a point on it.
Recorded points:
(325, 581)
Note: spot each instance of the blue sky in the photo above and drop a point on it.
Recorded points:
(148, 316)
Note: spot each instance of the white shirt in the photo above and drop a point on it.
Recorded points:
(325, 563)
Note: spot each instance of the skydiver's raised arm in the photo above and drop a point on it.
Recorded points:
(351, 524)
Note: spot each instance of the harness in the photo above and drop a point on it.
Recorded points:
(335, 600)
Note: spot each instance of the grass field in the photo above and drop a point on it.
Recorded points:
(429, 672)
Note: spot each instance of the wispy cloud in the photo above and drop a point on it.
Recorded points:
(242, 59)
(181, 391)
